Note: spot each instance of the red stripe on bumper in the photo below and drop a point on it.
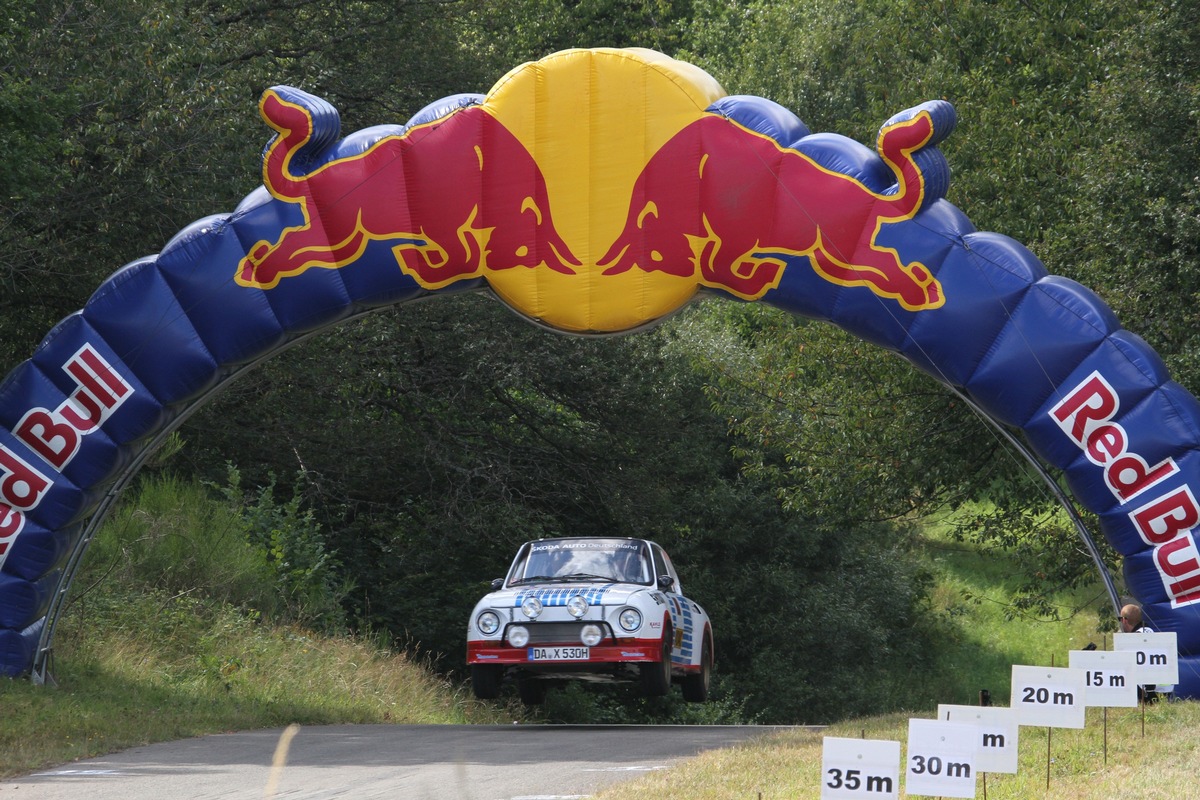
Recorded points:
(629, 651)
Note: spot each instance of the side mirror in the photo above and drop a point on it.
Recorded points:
(665, 582)
(497, 584)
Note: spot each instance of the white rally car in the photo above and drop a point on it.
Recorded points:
(599, 609)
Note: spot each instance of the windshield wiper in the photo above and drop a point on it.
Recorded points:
(574, 576)
(534, 579)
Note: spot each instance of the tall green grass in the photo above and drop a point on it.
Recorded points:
(985, 632)
(174, 536)
(148, 667)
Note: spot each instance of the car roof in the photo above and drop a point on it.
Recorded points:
(574, 538)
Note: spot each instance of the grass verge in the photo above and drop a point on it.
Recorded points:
(148, 668)
(1159, 764)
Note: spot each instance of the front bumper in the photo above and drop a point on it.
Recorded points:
(628, 651)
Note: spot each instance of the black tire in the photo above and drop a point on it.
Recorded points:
(695, 685)
(485, 680)
(656, 675)
(532, 692)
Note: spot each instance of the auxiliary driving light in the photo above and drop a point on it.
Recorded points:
(518, 636)
(577, 606)
(591, 635)
(531, 607)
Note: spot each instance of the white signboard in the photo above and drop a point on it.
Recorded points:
(1156, 656)
(996, 736)
(1049, 696)
(1110, 677)
(860, 769)
(941, 759)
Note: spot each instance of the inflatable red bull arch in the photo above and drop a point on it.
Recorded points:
(597, 192)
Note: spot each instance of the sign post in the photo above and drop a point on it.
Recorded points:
(1049, 696)
(1109, 678)
(1156, 659)
(996, 738)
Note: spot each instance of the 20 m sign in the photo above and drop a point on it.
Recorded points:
(1049, 696)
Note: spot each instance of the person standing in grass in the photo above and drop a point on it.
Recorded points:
(1131, 622)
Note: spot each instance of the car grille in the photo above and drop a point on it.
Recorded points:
(557, 632)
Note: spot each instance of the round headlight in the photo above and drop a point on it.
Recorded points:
(631, 619)
(518, 636)
(577, 606)
(591, 635)
(531, 607)
(488, 622)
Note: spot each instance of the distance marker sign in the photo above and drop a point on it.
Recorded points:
(1156, 656)
(1109, 677)
(1049, 696)
(860, 769)
(941, 759)
(996, 737)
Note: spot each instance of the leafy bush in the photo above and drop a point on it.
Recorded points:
(172, 536)
(243, 549)
(305, 574)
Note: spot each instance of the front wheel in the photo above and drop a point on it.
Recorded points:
(695, 685)
(485, 680)
(656, 675)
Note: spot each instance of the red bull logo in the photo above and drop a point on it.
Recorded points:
(495, 216)
(714, 205)
(718, 202)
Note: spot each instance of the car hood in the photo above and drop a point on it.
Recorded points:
(557, 594)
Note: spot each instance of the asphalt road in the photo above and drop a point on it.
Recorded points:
(413, 762)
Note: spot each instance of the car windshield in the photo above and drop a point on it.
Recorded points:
(566, 560)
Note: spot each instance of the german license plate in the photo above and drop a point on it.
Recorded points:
(559, 653)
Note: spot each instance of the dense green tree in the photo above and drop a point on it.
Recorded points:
(839, 427)
(125, 121)
(513, 31)
(1134, 231)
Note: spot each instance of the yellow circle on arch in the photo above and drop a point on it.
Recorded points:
(592, 119)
